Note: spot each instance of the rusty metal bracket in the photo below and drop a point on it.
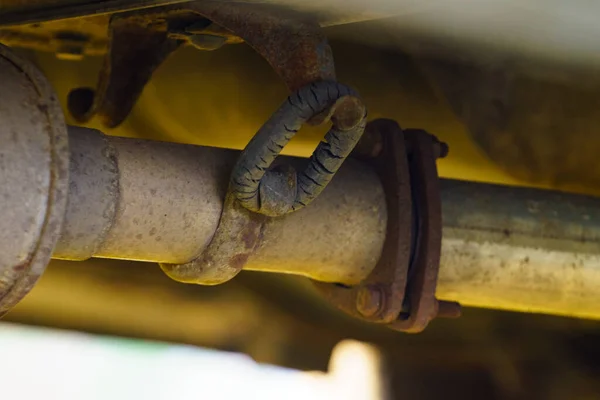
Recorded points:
(385, 285)
(235, 239)
(140, 41)
(423, 151)
(137, 47)
(400, 291)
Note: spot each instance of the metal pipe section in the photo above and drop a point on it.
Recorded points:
(503, 247)
(161, 202)
(33, 176)
(520, 249)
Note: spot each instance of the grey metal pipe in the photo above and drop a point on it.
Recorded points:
(520, 249)
(161, 202)
(503, 247)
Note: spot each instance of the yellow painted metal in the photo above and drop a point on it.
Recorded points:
(221, 98)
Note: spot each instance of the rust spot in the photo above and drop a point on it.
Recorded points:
(20, 267)
(239, 260)
(349, 112)
(43, 108)
(250, 234)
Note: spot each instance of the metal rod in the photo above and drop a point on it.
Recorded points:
(503, 247)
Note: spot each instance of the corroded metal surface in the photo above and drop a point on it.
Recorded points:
(391, 272)
(298, 52)
(235, 239)
(169, 201)
(93, 194)
(400, 291)
(337, 239)
(34, 160)
(137, 47)
(545, 261)
(281, 190)
(292, 43)
(422, 305)
(502, 247)
(169, 206)
(140, 41)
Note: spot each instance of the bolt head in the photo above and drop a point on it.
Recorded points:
(369, 301)
(440, 149)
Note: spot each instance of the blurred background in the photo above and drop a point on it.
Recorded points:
(510, 115)
(281, 320)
